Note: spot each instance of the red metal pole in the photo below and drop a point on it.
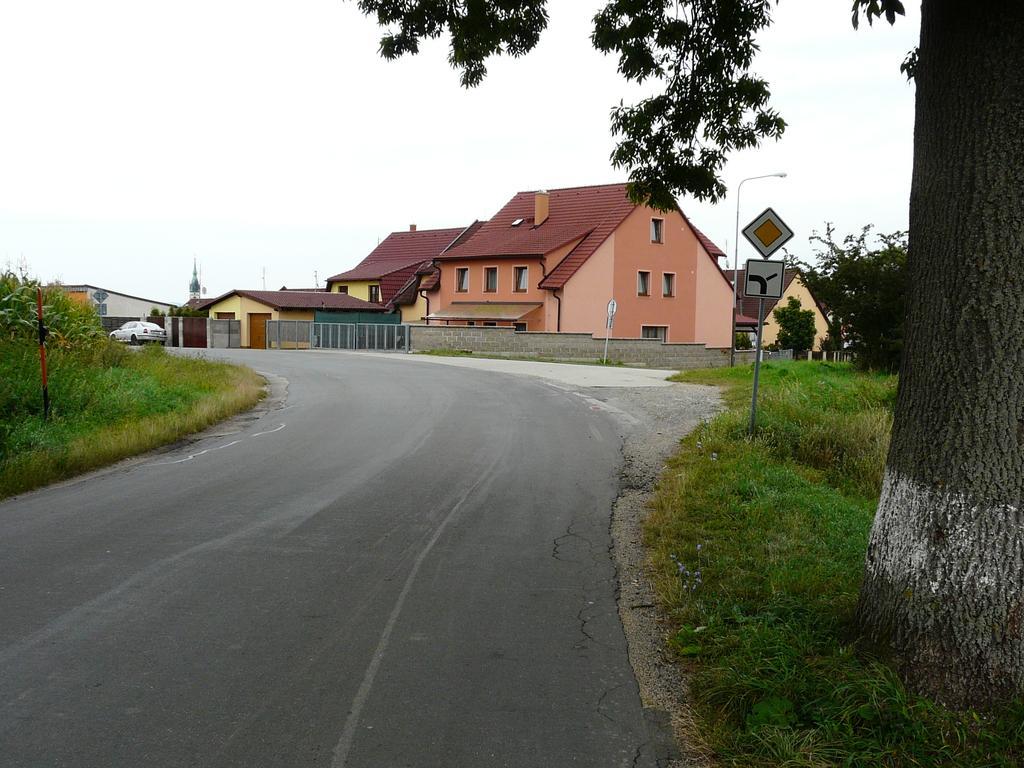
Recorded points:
(42, 351)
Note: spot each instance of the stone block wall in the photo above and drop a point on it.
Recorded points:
(506, 342)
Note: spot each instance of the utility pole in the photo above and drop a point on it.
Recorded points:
(43, 333)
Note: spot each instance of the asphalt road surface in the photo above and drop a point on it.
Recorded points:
(397, 565)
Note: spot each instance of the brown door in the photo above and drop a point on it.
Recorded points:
(194, 329)
(258, 330)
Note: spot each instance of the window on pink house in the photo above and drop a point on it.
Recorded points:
(643, 283)
(522, 279)
(657, 230)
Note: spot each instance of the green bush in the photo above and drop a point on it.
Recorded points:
(796, 326)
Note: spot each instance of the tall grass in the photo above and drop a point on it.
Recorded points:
(107, 403)
(757, 547)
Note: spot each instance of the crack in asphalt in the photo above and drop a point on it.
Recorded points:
(557, 543)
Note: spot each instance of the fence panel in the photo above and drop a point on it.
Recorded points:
(379, 337)
(289, 334)
(225, 334)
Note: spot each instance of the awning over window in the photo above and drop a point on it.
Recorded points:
(483, 310)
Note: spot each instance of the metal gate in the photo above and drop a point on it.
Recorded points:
(303, 334)
(374, 337)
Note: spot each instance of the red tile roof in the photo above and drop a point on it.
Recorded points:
(431, 279)
(421, 277)
(300, 300)
(709, 246)
(398, 251)
(586, 213)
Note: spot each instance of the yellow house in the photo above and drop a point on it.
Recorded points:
(254, 308)
(390, 275)
(794, 286)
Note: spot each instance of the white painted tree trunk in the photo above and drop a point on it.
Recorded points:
(947, 576)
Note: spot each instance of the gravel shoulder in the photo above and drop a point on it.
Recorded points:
(653, 422)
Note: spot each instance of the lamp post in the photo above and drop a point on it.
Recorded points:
(736, 260)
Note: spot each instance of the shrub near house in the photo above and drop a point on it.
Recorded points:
(796, 326)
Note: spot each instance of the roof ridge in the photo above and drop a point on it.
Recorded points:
(422, 231)
(571, 189)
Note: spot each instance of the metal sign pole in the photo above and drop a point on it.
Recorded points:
(612, 308)
(757, 366)
(43, 333)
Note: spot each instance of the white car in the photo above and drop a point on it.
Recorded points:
(138, 332)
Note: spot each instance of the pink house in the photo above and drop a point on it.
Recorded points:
(551, 260)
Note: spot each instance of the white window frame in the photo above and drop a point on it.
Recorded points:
(672, 293)
(526, 278)
(657, 230)
(662, 328)
(639, 273)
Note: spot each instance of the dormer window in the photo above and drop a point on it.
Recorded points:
(517, 222)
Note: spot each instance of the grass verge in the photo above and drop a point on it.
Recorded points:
(757, 549)
(108, 403)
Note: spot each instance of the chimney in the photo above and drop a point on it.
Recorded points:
(412, 227)
(540, 207)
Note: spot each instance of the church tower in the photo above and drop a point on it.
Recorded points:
(193, 287)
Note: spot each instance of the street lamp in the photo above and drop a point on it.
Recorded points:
(736, 260)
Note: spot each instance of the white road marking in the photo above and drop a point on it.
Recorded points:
(193, 455)
(348, 733)
(210, 450)
(269, 431)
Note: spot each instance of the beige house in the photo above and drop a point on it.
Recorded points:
(747, 308)
(254, 308)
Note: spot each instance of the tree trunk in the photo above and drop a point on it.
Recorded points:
(943, 588)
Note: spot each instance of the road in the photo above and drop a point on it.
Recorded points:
(396, 565)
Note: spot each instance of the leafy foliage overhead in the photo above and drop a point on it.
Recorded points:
(700, 52)
(709, 103)
(479, 29)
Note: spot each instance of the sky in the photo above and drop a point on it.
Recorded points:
(269, 140)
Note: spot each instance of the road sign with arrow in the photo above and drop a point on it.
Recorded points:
(764, 279)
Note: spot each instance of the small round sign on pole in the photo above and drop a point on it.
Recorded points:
(612, 309)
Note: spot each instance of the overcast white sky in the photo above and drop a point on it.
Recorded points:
(268, 134)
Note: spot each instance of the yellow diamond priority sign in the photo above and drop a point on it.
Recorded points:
(767, 233)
